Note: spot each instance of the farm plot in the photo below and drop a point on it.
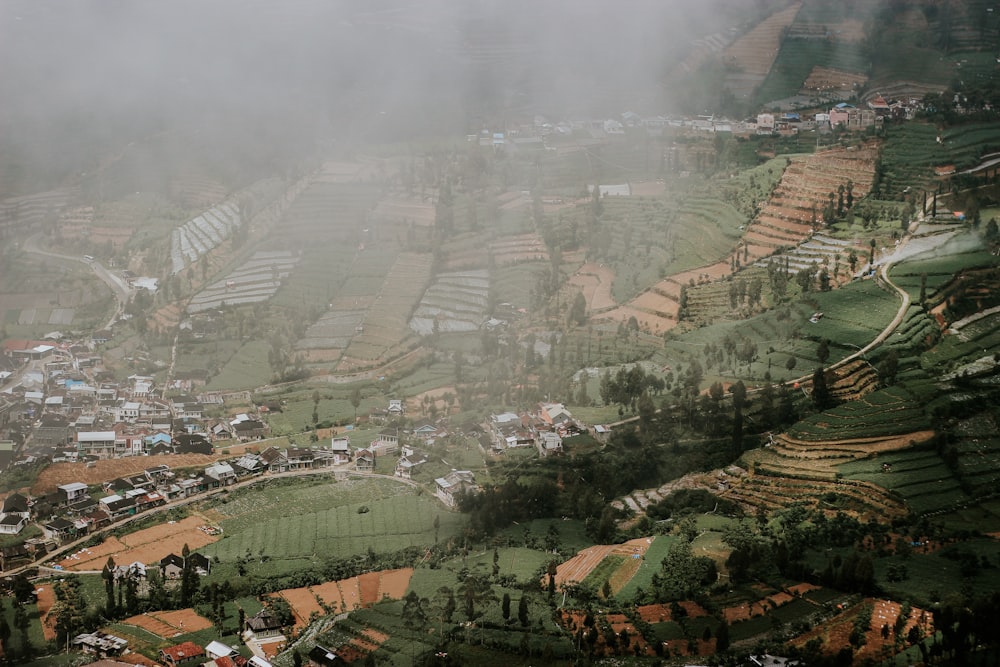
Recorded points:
(455, 302)
(254, 281)
(793, 65)
(419, 211)
(835, 633)
(346, 595)
(519, 248)
(148, 545)
(337, 530)
(384, 327)
(594, 281)
(579, 567)
(887, 412)
(756, 51)
(203, 233)
(168, 624)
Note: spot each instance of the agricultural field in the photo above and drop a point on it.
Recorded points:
(455, 302)
(919, 476)
(296, 524)
(256, 280)
(793, 68)
(755, 52)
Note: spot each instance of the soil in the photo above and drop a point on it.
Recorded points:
(169, 624)
(145, 546)
(303, 603)
(46, 598)
(363, 591)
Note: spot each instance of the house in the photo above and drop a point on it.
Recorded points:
(299, 458)
(118, 507)
(96, 443)
(16, 503)
(427, 432)
(181, 654)
(12, 524)
(171, 566)
(222, 474)
(247, 465)
(364, 460)
(52, 429)
(548, 443)
(274, 460)
(100, 644)
(72, 492)
(341, 448)
(396, 407)
(14, 556)
(249, 429)
(320, 656)
(263, 625)
(449, 487)
(217, 649)
(410, 459)
(386, 443)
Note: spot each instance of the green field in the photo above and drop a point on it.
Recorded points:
(295, 524)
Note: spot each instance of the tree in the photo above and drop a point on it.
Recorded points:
(722, 637)
(355, 401)
(505, 606)
(189, 578)
(22, 623)
(823, 350)
(414, 610)
(4, 634)
(108, 575)
(821, 393)
(522, 611)
(578, 311)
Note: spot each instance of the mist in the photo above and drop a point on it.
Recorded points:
(263, 84)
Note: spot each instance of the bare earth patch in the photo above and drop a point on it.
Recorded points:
(145, 546)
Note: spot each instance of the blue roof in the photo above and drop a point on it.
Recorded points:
(845, 105)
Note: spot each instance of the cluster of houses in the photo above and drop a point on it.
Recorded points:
(259, 631)
(65, 408)
(543, 429)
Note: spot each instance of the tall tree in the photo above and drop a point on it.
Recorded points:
(108, 575)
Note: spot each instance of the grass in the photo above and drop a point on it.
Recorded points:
(651, 562)
(287, 528)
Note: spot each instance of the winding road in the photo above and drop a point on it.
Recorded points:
(118, 288)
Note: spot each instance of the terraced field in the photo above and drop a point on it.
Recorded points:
(455, 302)
(784, 222)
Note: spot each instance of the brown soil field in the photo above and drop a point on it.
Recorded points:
(595, 281)
(105, 471)
(329, 594)
(824, 78)
(46, 599)
(153, 625)
(835, 633)
(145, 546)
(579, 566)
(303, 603)
(368, 585)
(395, 583)
(185, 620)
(756, 50)
(347, 594)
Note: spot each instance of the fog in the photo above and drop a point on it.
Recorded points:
(264, 83)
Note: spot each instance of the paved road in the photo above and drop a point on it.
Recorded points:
(117, 286)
